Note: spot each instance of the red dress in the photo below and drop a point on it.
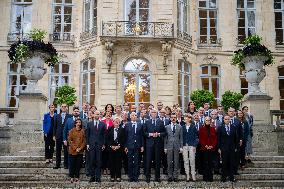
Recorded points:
(109, 124)
(206, 139)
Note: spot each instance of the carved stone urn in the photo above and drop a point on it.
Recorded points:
(254, 73)
(34, 70)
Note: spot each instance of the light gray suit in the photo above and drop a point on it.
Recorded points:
(173, 142)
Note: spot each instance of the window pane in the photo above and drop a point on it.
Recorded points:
(68, 1)
(277, 4)
(241, 3)
(14, 68)
(186, 67)
(279, 36)
(212, 3)
(278, 19)
(281, 84)
(202, 3)
(205, 70)
(92, 63)
(214, 70)
(144, 88)
(250, 3)
(186, 80)
(251, 19)
(144, 3)
(65, 68)
(93, 77)
(129, 87)
(244, 83)
(205, 83)
(180, 65)
(215, 87)
(281, 71)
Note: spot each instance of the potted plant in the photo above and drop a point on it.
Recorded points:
(199, 97)
(253, 57)
(231, 99)
(33, 53)
(65, 94)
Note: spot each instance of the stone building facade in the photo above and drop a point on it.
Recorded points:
(143, 50)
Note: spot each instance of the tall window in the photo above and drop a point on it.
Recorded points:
(246, 19)
(244, 83)
(136, 82)
(88, 81)
(182, 21)
(62, 20)
(281, 87)
(184, 77)
(90, 24)
(279, 19)
(21, 19)
(210, 79)
(16, 82)
(59, 75)
(137, 12)
(208, 27)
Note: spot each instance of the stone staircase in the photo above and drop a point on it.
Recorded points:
(31, 171)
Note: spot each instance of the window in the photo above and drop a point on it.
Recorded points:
(88, 81)
(90, 9)
(182, 21)
(21, 19)
(16, 82)
(246, 19)
(62, 20)
(136, 82)
(244, 83)
(137, 13)
(279, 15)
(184, 77)
(210, 79)
(59, 75)
(208, 27)
(281, 88)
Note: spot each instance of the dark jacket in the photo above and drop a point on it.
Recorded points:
(46, 123)
(227, 143)
(59, 126)
(94, 136)
(120, 140)
(190, 136)
(133, 140)
(149, 127)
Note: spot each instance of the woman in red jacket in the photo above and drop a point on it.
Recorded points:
(208, 142)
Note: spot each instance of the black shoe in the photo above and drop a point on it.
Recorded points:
(148, 180)
(165, 172)
(223, 179)
(175, 180)
(98, 180)
(56, 167)
(249, 161)
(65, 167)
(216, 172)
(158, 180)
(112, 180)
(92, 179)
(170, 180)
(233, 180)
(237, 173)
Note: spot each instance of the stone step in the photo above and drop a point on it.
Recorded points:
(64, 177)
(65, 171)
(143, 184)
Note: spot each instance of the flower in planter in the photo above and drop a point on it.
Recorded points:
(21, 50)
(252, 47)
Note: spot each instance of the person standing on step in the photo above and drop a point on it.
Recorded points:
(173, 146)
(76, 147)
(134, 141)
(58, 136)
(249, 118)
(154, 131)
(95, 138)
(48, 125)
(190, 142)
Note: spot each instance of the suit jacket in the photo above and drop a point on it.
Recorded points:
(190, 136)
(206, 139)
(69, 124)
(46, 123)
(246, 131)
(59, 126)
(198, 125)
(227, 143)
(166, 121)
(216, 123)
(208, 112)
(149, 127)
(182, 123)
(96, 136)
(237, 124)
(133, 140)
(120, 140)
(173, 140)
(83, 116)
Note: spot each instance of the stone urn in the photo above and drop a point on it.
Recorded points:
(254, 73)
(34, 70)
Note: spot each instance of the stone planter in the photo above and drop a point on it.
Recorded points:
(34, 70)
(254, 73)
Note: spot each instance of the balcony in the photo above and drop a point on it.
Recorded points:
(61, 37)
(159, 30)
(11, 37)
(184, 36)
(86, 35)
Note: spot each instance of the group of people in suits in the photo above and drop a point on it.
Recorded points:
(200, 141)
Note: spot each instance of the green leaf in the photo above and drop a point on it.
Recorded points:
(65, 94)
(199, 97)
(231, 99)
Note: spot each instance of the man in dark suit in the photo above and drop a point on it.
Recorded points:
(58, 136)
(154, 131)
(227, 147)
(95, 135)
(85, 109)
(133, 146)
(69, 124)
(198, 155)
(166, 122)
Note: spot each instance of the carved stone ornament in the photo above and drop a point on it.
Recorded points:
(184, 54)
(166, 48)
(137, 48)
(210, 59)
(109, 48)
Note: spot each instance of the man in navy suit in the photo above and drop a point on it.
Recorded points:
(58, 136)
(95, 138)
(166, 122)
(207, 110)
(85, 109)
(154, 131)
(69, 124)
(133, 146)
(220, 111)
(227, 147)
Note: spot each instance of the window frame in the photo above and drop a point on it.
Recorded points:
(182, 85)
(137, 19)
(242, 76)
(93, 28)
(281, 11)
(182, 24)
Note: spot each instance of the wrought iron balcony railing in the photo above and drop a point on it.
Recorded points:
(61, 37)
(17, 36)
(88, 34)
(184, 36)
(135, 29)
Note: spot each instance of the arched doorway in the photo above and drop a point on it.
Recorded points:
(136, 81)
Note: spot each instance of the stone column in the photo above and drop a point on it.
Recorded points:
(27, 135)
(264, 133)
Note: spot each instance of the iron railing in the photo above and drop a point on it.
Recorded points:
(61, 37)
(138, 29)
(184, 36)
(279, 114)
